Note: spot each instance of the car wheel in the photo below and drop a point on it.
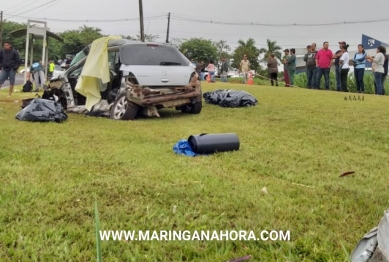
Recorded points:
(123, 109)
(192, 108)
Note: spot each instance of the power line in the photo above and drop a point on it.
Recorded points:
(91, 20)
(18, 6)
(36, 7)
(271, 36)
(180, 18)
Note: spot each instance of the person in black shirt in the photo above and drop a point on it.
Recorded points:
(385, 71)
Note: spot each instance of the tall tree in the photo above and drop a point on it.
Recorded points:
(223, 50)
(271, 48)
(199, 49)
(250, 50)
(76, 40)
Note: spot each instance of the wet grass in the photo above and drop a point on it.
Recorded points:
(295, 143)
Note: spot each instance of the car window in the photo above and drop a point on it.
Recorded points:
(79, 56)
(152, 55)
(112, 60)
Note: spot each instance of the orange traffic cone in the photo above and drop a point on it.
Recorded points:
(250, 81)
(208, 78)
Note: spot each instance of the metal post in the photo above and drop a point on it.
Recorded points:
(168, 28)
(1, 29)
(44, 56)
(26, 55)
(142, 33)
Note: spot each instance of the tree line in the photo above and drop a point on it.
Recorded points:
(199, 49)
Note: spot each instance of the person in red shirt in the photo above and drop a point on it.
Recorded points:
(323, 64)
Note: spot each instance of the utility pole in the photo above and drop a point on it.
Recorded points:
(142, 31)
(1, 30)
(168, 28)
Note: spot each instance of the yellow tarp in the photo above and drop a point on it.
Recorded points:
(95, 71)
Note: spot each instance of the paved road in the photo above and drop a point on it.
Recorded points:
(19, 80)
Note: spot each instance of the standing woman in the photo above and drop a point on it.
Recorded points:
(378, 64)
(211, 71)
(359, 68)
(344, 68)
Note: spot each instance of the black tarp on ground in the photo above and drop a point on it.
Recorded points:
(42, 110)
(230, 98)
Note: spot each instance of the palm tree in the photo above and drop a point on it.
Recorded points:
(250, 50)
(272, 48)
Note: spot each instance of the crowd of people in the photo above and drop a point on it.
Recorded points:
(244, 69)
(319, 62)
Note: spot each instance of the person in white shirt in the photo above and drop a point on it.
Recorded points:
(344, 68)
(379, 70)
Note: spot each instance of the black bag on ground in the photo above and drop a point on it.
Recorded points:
(42, 110)
(27, 87)
(230, 98)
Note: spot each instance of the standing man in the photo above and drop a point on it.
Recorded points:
(272, 65)
(284, 61)
(198, 68)
(337, 56)
(9, 65)
(51, 69)
(224, 70)
(306, 56)
(323, 64)
(311, 67)
(291, 66)
(244, 68)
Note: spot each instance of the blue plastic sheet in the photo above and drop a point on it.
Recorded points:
(182, 147)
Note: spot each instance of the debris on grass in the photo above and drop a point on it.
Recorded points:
(347, 173)
(264, 190)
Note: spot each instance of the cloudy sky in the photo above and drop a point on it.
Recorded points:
(192, 18)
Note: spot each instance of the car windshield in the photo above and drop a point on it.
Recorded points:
(152, 55)
(80, 56)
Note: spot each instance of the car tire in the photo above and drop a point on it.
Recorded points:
(123, 109)
(194, 108)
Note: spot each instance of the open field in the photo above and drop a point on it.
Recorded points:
(51, 174)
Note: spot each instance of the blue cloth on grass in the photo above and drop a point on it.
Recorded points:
(182, 147)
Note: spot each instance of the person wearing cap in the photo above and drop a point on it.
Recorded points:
(336, 58)
(323, 63)
(284, 61)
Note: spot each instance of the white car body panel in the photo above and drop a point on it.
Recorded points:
(168, 75)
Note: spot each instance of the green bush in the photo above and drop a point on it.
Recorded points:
(300, 80)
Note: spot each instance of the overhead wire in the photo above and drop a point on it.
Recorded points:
(36, 7)
(181, 18)
(90, 20)
(19, 6)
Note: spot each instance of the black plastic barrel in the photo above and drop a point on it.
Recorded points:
(212, 143)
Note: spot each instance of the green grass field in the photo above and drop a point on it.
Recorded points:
(295, 143)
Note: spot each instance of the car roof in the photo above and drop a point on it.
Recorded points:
(120, 42)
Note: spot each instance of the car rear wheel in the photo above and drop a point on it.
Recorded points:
(123, 109)
(192, 108)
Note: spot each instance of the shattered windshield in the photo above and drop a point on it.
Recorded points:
(80, 56)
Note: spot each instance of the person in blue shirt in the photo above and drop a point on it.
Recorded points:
(359, 68)
(36, 70)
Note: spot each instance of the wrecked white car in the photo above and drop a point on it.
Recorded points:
(144, 77)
